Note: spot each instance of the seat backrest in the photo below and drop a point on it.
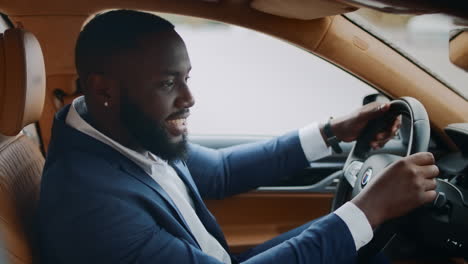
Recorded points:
(22, 91)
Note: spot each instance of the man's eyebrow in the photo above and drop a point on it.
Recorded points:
(174, 73)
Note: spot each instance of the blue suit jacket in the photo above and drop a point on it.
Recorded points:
(97, 206)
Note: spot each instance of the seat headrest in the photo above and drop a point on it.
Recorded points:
(22, 81)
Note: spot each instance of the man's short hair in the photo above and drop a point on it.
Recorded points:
(111, 33)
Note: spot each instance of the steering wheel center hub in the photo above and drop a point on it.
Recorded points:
(366, 177)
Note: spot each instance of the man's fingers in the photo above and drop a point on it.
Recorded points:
(396, 125)
(422, 158)
(379, 144)
(383, 107)
(429, 196)
(381, 138)
(430, 184)
(382, 143)
(397, 122)
(374, 110)
(431, 171)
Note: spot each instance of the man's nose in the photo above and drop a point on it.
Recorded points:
(185, 98)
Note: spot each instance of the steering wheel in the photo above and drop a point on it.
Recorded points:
(361, 165)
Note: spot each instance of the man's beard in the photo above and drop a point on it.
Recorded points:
(151, 135)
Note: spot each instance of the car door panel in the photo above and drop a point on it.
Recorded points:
(252, 218)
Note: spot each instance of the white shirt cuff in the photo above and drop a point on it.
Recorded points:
(357, 223)
(312, 143)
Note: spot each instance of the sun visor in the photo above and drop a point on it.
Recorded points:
(301, 9)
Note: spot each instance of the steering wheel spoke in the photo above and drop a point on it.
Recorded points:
(351, 172)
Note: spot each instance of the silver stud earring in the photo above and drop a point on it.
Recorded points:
(106, 104)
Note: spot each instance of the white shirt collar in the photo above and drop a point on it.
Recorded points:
(146, 160)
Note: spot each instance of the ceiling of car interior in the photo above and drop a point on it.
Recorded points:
(297, 9)
(301, 9)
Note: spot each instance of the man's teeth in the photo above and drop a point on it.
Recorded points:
(177, 122)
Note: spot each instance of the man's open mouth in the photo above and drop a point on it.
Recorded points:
(177, 125)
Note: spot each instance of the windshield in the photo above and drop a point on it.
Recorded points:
(423, 39)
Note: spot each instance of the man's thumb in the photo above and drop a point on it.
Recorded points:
(376, 110)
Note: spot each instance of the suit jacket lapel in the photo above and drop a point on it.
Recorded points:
(202, 211)
(142, 176)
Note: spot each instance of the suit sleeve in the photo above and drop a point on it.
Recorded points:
(229, 171)
(326, 241)
(108, 230)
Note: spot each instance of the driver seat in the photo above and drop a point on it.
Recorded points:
(22, 91)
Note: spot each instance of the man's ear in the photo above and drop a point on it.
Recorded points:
(105, 90)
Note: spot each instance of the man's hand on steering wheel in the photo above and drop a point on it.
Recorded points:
(411, 177)
(404, 185)
(386, 185)
(349, 127)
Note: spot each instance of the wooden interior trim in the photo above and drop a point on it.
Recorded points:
(252, 218)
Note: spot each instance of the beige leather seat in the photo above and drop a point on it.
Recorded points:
(22, 91)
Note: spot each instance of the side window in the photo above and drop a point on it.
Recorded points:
(248, 83)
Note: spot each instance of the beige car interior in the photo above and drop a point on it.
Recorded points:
(301, 9)
(334, 38)
(459, 50)
(314, 25)
(22, 91)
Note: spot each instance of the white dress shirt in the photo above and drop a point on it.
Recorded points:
(312, 144)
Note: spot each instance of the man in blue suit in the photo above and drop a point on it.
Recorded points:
(122, 185)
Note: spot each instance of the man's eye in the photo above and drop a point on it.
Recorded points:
(187, 78)
(167, 85)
